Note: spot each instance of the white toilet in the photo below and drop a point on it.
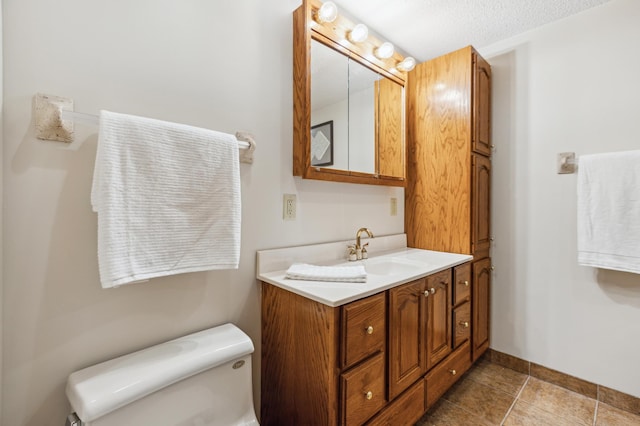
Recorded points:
(200, 379)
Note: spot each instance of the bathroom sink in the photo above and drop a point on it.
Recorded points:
(391, 266)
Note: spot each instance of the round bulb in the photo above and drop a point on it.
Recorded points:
(407, 64)
(328, 12)
(385, 50)
(359, 33)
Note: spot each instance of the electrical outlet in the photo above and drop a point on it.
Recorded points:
(394, 206)
(289, 207)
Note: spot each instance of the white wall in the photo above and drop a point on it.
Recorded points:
(1, 203)
(221, 64)
(569, 86)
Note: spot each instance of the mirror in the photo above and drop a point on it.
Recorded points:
(344, 94)
(348, 111)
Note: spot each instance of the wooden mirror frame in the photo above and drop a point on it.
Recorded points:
(335, 36)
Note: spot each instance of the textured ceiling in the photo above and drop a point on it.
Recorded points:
(429, 28)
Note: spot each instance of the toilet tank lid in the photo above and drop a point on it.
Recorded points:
(102, 388)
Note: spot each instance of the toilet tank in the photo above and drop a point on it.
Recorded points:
(200, 379)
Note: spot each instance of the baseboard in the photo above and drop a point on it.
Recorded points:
(598, 392)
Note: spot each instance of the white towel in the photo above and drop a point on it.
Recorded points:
(167, 197)
(609, 211)
(347, 274)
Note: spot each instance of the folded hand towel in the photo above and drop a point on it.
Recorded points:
(167, 197)
(609, 211)
(347, 274)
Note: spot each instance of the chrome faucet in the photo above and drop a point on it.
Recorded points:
(360, 231)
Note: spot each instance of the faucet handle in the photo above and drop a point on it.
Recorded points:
(352, 252)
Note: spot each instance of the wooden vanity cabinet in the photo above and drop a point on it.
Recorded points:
(379, 360)
(447, 200)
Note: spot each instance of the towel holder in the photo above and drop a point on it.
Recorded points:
(55, 118)
(567, 163)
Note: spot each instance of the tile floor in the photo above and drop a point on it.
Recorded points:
(489, 394)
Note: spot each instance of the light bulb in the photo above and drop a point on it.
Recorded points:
(407, 64)
(385, 50)
(359, 33)
(328, 12)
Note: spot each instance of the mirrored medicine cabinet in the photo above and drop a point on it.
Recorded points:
(348, 104)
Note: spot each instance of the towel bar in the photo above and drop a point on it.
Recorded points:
(55, 118)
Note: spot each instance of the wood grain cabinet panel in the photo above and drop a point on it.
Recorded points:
(480, 206)
(438, 317)
(461, 324)
(407, 327)
(404, 410)
(481, 303)
(364, 326)
(461, 283)
(363, 391)
(446, 374)
(481, 105)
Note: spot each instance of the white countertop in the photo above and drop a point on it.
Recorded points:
(390, 264)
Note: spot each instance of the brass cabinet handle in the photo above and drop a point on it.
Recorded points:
(426, 293)
(432, 290)
(453, 372)
(369, 329)
(464, 324)
(466, 283)
(369, 395)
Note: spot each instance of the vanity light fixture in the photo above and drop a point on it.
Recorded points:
(359, 33)
(328, 12)
(384, 51)
(407, 64)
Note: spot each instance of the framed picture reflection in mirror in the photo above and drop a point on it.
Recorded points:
(322, 144)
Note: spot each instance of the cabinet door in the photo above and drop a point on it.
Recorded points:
(481, 105)
(438, 317)
(407, 305)
(480, 206)
(481, 306)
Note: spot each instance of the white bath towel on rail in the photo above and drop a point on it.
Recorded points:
(167, 197)
(609, 211)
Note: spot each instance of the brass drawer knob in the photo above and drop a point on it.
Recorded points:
(466, 283)
(369, 395)
(426, 293)
(432, 290)
(464, 324)
(370, 329)
(453, 372)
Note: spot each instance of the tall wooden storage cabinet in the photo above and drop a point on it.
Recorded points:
(449, 169)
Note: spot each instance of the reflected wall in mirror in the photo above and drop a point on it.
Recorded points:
(342, 82)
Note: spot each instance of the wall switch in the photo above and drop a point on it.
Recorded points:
(394, 206)
(289, 207)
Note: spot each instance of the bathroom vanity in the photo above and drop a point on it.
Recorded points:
(380, 352)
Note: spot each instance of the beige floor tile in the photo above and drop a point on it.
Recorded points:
(580, 386)
(497, 377)
(611, 416)
(524, 414)
(488, 403)
(446, 413)
(559, 401)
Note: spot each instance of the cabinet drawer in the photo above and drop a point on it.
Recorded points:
(364, 328)
(362, 391)
(447, 373)
(461, 324)
(404, 410)
(461, 283)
